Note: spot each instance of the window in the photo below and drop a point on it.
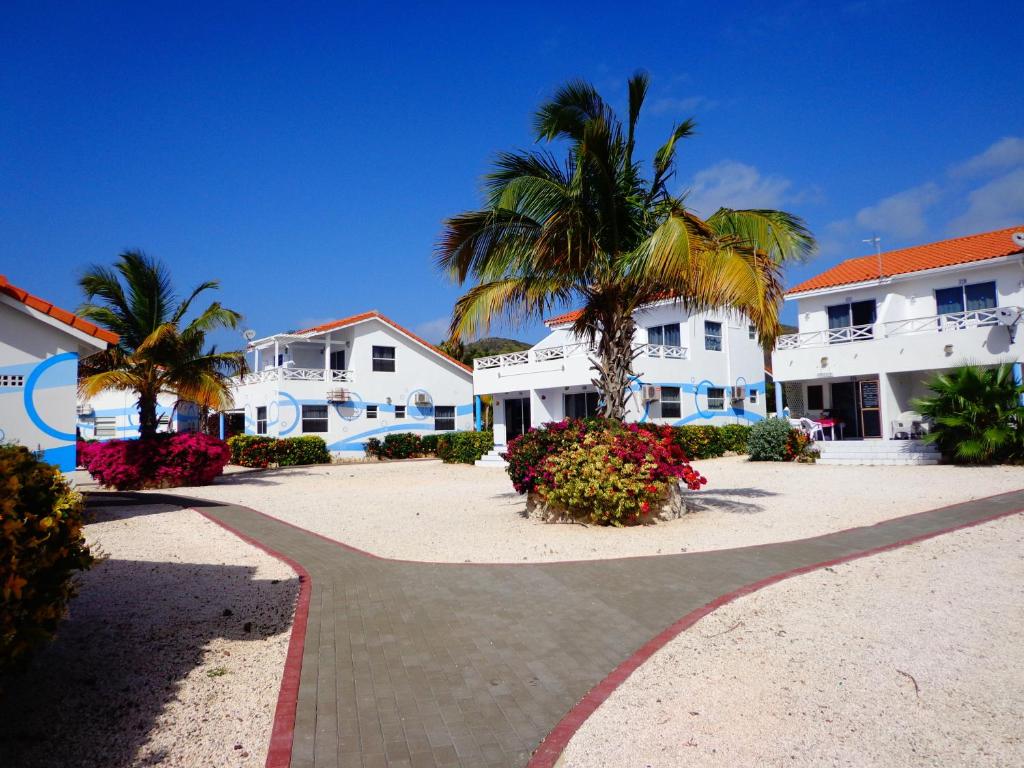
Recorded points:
(716, 399)
(713, 336)
(753, 396)
(966, 298)
(670, 405)
(580, 405)
(106, 426)
(399, 411)
(444, 418)
(751, 332)
(384, 359)
(338, 360)
(261, 420)
(12, 380)
(815, 397)
(314, 418)
(371, 411)
(854, 313)
(667, 335)
(280, 359)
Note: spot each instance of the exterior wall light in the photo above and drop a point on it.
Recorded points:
(948, 349)
(824, 362)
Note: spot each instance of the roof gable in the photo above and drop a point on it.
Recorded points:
(52, 310)
(945, 253)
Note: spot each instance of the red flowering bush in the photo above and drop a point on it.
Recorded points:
(600, 470)
(163, 461)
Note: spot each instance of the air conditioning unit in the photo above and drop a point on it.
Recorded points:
(85, 411)
(1007, 315)
(738, 393)
(651, 392)
(337, 396)
(421, 398)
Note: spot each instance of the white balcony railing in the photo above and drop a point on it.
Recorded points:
(579, 349)
(951, 321)
(283, 373)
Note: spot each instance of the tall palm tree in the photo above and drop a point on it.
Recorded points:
(158, 351)
(593, 229)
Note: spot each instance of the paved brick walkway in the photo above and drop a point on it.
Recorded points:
(419, 664)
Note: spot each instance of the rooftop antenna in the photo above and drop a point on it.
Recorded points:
(878, 252)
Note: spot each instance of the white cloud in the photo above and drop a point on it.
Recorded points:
(901, 215)
(1008, 152)
(731, 184)
(995, 205)
(681, 106)
(435, 331)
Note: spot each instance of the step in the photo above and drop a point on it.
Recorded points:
(880, 462)
(493, 458)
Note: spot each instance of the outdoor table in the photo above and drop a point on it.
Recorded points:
(830, 424)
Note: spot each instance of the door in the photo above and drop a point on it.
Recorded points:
(517, 417)
(844, 408)
(870, 408)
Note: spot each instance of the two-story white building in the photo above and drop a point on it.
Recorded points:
(690, 368)
(350, 380)
(874, 329)
(40, 345)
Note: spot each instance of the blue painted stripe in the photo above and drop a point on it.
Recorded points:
(64, 457)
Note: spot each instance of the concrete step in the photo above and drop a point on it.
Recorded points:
(877, 452)
(493, 458)
(906, 461)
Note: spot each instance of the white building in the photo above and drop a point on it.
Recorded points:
(352, 379)
(115, 415)
(705, 368)
(40, 345)
(873, 329)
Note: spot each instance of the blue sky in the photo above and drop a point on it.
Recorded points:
(306, 157)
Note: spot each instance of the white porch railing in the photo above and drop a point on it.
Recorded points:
(282, 373)
(952, 321)
(826, 337)
(578, 349)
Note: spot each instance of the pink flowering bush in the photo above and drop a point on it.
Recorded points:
(599, 470)
(163, 461)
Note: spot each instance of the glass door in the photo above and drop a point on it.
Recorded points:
(517, 417)
(869, 400)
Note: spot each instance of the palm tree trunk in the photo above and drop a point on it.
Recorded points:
(614, 365)
(147, 415)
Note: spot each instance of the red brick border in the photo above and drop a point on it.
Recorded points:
(279, 752)
(554, 744)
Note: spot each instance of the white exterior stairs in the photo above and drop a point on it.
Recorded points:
(877, 452)
(493, 458)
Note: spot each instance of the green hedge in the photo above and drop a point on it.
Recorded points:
(41, 548)
(706, 441)
(464, 447)
(397, 445)
(261, 451)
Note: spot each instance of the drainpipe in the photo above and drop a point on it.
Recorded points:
(1018, 377)
(778, 398)
(478, 416)
(221, 426)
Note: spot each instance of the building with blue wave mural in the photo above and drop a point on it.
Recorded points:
(40, 345)
(349, 380)
(690, 368)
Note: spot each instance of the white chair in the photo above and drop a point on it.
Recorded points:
(812, 428)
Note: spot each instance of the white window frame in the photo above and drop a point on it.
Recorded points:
(399, 411)
(676, 402)
(439, 419)
(712, 399)
(753, 396)
(325, 419)
(708, 336)
(371, 411)
(261, 422)
(375, 360)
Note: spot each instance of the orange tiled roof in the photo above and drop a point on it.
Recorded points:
(946, 253)
(565, 317)
(347, 321)
(69, 318)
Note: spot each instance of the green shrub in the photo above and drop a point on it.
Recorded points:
(776, 440)
(734, 437)
(306, 449)
(464, 447)
(41, 546)
(699, 441)
(428, 444)
(260, 451)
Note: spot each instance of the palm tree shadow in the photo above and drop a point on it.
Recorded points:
(727, 500)
(137, 628)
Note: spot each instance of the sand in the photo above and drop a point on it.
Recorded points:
(172, 654)
(429, 511)
(908, 658)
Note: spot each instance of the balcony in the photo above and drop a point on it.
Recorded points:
(827, 337)
(580, 349)
(284, 373)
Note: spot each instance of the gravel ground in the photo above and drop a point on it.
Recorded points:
(908, 658)
(425, 510)
(172, 654)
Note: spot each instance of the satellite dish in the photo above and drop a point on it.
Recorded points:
(249, 334)
(1018, 239)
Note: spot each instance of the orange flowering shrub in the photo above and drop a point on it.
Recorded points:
(41, 548)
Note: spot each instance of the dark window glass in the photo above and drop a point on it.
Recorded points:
(815, 397)
(444, 418)
(384, 359)
(399, 411)
(338, 360)
(261, 420)
(371, 411)
(980, 296)
(712, 336)
(670, 405)
(751, 332)
(716, 399)
(580, 405)
(314, 418)
(949, 300)
(839, 316)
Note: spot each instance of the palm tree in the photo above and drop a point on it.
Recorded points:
(157, 351)
(976, 414)
(592, 229)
